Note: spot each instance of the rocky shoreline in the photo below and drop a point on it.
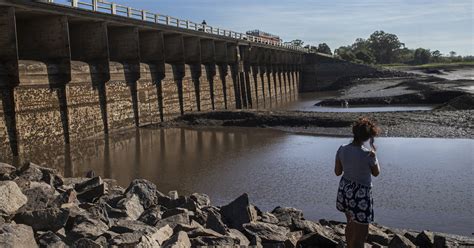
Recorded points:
(39, 208)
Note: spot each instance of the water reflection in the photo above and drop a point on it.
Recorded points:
(425, 183)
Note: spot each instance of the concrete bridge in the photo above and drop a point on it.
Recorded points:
(70, 72)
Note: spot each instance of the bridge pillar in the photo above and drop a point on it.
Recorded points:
(221, 60)
(124, 52)
(192, 57)
(244, 76)
(233, 61)
(43, 42)
(208, 58)
(9, 77)
(174, 55)
(89, 47)
(253, 60)
(152, 54)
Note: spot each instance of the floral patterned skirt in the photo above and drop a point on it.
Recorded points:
(356, 200)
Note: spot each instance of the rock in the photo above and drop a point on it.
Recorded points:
(376, 235)
(127, 226)
(269, 218)
(202, 200)
(214, 222)
(174, 220)
(316, 240)
(187, 228)
(85, 227)
(16, 235)
(293, 238)
(51, 219)
(269, 233)
(241, 239)
(399, 241)
(131, 205)
(178, 240)
(255, 241)
(286, 216)
(86, 243)
(147, 242)
(91, 189)
(7, 171)
(175, 211)
(11, 198)
(68, 196)
(36, 173)
(307, 226)
(425, 239)
(411, 236)
(146, 192)
(206, 241)
(198, 232)
(238, 212)
(151, 216)
(162, 234)
(40, 196)
(50, 239)
(173, 195)
(127, 239)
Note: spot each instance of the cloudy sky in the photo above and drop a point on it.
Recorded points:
(443, 25)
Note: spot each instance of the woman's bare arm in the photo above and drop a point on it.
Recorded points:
(338, 167)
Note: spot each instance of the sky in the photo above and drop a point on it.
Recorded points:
(445, 25)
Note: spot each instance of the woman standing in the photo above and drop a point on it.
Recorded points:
(357, 164)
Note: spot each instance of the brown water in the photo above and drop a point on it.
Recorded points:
(424, 184)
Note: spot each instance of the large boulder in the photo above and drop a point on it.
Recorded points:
(316, 240)
(91, 189)
(131, 205)
(307, 226)
(151, 216)
(178, 240)
(86, 227)
(286, 216)
(269, 233)
(241, 239)
(40, 196)
(202, 200)
(425, 239)
(377, 235)
(174, 220)
(50, 219)
(238, 212)
(399, 241)
(11, 198)
(146, 192)
(51, 240)
(7, 171)
(36, 173)
(127, 226)
(16, 235)
(209, 241)
(214, 222)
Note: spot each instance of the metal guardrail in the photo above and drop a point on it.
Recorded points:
(121, 10)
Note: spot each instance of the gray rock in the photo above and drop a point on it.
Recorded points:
(241, 239)
(7, 171)
(87, 228)
(187, 228)
(178, 240)
(16, 235)
(86, 243)
(411, 236)
(40, 196)
(175, 211)
(286, 216)
(293, 238)
(51, 219)
(127, 239)
(399, 241)
(36, 173)
(316, 240)
(269, 218)
(214, 222)
(51, 240)
(269, 233)
(199, 232)
(425, 239)
(207, 241)
(307, 226)
(11, 198)
(202, 200)
(238, 212)
(91, 189)
(162, 234)
(127, 226)
(377, 235)
(66, 197)
(131, 205)
(174, 220)
(146, 192)
(151, 216)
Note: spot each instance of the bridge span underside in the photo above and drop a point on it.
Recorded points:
(67, 74)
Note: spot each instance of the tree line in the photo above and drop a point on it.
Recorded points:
(385, 48)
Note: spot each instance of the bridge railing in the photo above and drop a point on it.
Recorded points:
(121, 10)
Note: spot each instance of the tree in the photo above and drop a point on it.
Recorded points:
(298, 43)
(422, 56)
(324, 48)
(384, 46)
(436, 55)
(345, 52)
(452, 54)
(404, 55)
(365, 56)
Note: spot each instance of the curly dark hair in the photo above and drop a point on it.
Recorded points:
(364, 129)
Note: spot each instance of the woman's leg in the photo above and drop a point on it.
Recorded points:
(349, 231)
(359, 232)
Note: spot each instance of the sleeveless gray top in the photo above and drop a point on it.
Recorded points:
(356, 162)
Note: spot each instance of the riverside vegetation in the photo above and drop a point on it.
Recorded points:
(39, 208)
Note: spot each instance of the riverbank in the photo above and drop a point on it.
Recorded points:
(40, 208)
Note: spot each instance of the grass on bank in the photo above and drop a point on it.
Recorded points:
(428, 66)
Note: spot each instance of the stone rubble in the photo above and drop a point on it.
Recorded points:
(39, 208)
